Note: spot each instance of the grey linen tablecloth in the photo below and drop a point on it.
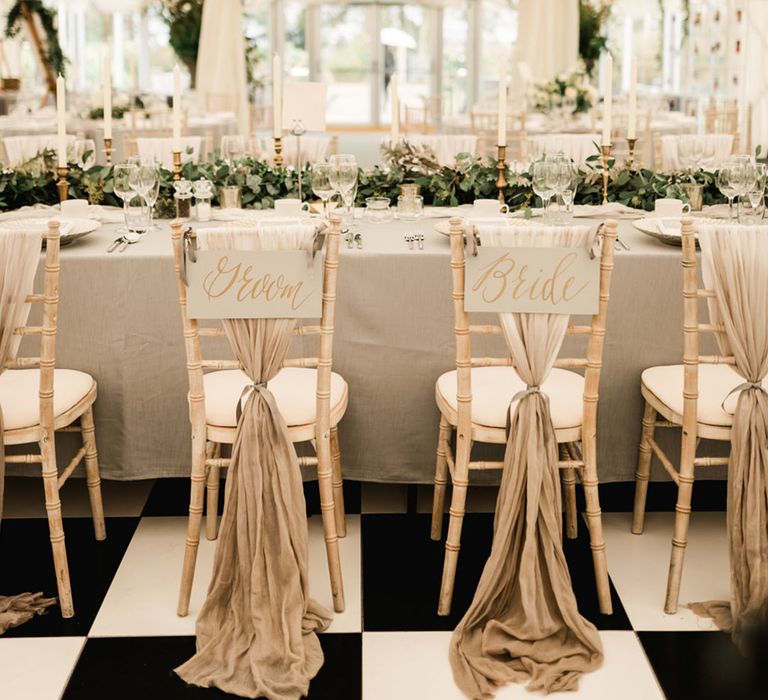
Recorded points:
(119, 320)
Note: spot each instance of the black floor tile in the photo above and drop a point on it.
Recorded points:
(402, 568)
(27, 565)
(171, 497)
(706, 666)
(662, 496)
(142, 667)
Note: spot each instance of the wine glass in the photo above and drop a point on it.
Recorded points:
(122, 175)
(322, 173)
(344, 178)
(726, 183)
(151, 195)
(542, 181)
(232, 147)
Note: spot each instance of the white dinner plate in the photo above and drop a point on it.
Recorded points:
(444, 227)
(671, 234)
(70, 229)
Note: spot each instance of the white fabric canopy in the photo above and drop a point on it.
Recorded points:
(548, 36)
(221, 59)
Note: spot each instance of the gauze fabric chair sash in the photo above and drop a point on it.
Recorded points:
(735, 264)
(523, 624)
(19, 256)
(256, 633)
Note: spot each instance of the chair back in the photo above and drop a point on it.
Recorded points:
(194, 332)
(590, 361)
(578, 147)
(45, 360)
(722, 117)
(160, 149)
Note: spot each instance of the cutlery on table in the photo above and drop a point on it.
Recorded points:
(359, 240)
(420, 239)
(409, 241)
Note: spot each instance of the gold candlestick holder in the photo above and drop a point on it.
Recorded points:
(278, 151)
(631, 153)
(63, 184)
(605, 152)
(176, 165)
(108, 151)
(501, 166)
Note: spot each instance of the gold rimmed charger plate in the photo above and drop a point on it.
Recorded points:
(70, 230)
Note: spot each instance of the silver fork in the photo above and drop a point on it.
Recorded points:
(420, 239)
(409, 241)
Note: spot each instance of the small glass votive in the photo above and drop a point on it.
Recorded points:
(377, 210)
(203, 191)
(137, 215)
(410, 207)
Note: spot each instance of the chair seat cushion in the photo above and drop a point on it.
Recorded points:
(294, 389)
(715, 383)
(494, 387)
(20, 394)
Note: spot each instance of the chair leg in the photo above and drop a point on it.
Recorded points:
(328, 511)
(680, 535)
(212, 493)
(645, 455)
(56, 523)
(338, 485)
(441, 479)
(92, 473)
(595, 523)
(455, 522)
(194, 524)
(571, 512)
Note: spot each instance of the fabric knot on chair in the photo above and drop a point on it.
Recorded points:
(744, 386)
(261, 387)
(530, 389)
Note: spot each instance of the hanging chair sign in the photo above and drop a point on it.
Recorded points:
(532, 280)
(254, 284)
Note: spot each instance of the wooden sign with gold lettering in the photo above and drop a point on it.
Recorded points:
(532, 280)
(255, 284)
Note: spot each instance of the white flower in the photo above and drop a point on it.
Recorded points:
(571, 93)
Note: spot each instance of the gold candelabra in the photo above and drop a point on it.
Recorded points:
(63, 184)
(501, 166)
(631, 152)
(278, 152)
(108, 151)
(605, 151)
(176, 165)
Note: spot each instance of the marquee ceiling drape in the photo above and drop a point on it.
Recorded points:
(548, 36)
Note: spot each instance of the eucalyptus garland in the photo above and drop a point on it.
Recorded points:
(54, 56)
(261, 184)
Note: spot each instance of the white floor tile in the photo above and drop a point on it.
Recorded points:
(142, 598)
(414, 666)
(24, 498)
(638, 565)
(37, 667)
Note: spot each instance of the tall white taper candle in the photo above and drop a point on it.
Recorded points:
(394, 98)
(108, 95)
(607, 100)
(61, 114)
(277, 97)
(632, 123)
(176, 108)
(502, 135)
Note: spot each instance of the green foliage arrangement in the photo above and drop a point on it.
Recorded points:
(54, 56)
(184, 19)
(469, 179)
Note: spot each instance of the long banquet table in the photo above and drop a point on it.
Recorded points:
(119, 320)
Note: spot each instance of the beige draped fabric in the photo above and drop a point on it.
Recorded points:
(256, 633)
(735, 265)
(19, 255)
(523, 624)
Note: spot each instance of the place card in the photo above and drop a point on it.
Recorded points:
(532, 280)
(304, 104)
(254, 284)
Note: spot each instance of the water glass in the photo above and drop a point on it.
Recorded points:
(377, 210)
(322, 186)
(232, 147)
(83, 153)
(122, 175)
(137, 215)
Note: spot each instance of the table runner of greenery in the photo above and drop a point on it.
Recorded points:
(470, 178)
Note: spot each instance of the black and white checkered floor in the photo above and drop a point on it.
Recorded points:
(389, 643)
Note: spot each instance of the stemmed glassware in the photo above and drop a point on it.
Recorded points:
(543, 184)
(322, 185)
(727, 183)
(83, 153)
(122, 174)
(232, 148)
(344, 178)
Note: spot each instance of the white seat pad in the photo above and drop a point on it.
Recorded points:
(494, 387)
(715, 383)
(20, 394)
(294, 389)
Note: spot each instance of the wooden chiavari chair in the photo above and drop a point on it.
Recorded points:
(690, 396)
(454, 395)
(39, 401)
(723, 118)
(305, 376)
(484, 125)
